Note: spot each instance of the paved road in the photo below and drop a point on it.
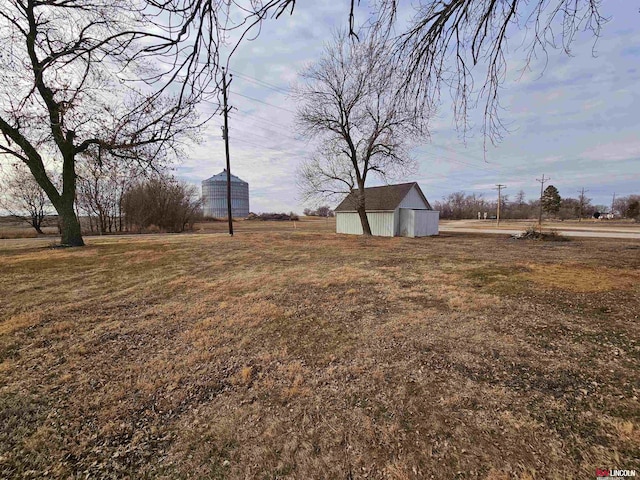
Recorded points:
(566, 233)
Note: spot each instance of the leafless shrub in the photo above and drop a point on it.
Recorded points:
(164, 203)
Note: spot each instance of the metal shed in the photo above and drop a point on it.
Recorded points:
(392, 210)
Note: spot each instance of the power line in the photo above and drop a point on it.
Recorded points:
(252, 134)
(449, 150)
(460, 162)
(258, 118)
(266, 103)
(261, 127)
(263, 83)
(276, 132)
(209, 102)
(276, 148)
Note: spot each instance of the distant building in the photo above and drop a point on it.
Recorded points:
(214, 193)
(392, 210)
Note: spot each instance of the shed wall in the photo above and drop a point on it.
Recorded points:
(413, 200)
(425, 222)
(382, 223)
(418, 223)
(406, 219)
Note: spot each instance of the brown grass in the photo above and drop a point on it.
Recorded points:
(302, 354)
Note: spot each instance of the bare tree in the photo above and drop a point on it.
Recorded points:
(101, 186)
(64, 93)
(348, 104)
(23, 198)
(460, 205)
(625, 206)
(583, 203)
(97, 196)
(324, 211)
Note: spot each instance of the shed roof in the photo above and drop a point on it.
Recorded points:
(385, 198)
(222, 177)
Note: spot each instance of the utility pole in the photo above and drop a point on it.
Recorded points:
(582, 192)
(225, 135)
(541, 180)
(612, 202)
(499, 187)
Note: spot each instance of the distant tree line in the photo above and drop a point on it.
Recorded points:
(116, 198)
(461, 205)
(322, 211)
(272, 216)
(111, 197)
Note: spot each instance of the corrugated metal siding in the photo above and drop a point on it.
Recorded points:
(426, 222)
(407, 223)
(381, 223)
(214, 193)
(396, 223)
(413, 200)
(348, 222)
(418, 223)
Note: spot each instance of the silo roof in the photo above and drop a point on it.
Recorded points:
(222, 177)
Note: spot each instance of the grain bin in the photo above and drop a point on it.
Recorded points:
(214, 193)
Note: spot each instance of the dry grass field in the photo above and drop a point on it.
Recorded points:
(300, 354)
(14, 228)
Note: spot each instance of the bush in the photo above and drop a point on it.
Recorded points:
(278, 217)
(161, 203)
(531, 233)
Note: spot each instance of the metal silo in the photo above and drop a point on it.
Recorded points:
(214, 192)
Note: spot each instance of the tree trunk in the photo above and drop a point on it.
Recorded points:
(69, 224)
(362, 212)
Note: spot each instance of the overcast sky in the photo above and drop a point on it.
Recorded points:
(578, 121)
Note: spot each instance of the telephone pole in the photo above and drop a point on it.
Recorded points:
(613, 200)
(582, 202)
(225, 135)
(541, 180)
(499, 187)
